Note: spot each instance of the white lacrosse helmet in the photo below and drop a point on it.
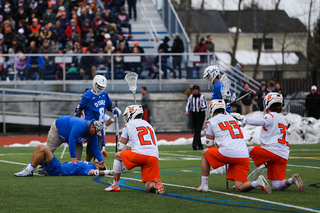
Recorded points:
(99, 84)
(272, 98)
(210, 73)
(131, 112)
(216, 104)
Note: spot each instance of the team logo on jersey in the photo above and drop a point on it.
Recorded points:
(99, 103)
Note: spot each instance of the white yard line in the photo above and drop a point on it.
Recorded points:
(4, 161)
(234, 195)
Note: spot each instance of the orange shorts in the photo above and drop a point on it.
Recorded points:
(149, 164)
(238, 167)
(276, 165)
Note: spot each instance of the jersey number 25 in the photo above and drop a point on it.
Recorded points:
(145, 131)
(230, 126)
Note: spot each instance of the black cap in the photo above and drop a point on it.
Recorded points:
(195, 87)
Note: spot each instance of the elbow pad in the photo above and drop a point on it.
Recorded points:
(121, 146)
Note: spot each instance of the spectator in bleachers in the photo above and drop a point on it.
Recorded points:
(201, 47)
(21, 65)
(58, 11)
(54, 46)
(312, 103)
(58, 34)
(71, 28)
(7, 12)
(136, 44)
(103, 43)
(246, 102)
(22, 24)
(15, 45)
(32, 47)
(64, 21)
(271, 86)
(107, 16)
(109, 48)
(1, 21)
(132, 5)
(157, 42)
(103, 62)
(59, 5)
(85, 15)
(45, 34)
(49, 16)
(261, 94)
(42, 5)
(33, 8)
(82, 5)
(210, 46)
(73, 6)
(93, 7)
(96, 20)
(21, 38)
(86, 26)
(136, 66)
(8, 35)
(164, 64)
(92, 46)
(279, 90)
(122, 20)
(101, 33)
(69, 46)
(35, 64)
(164, 45)
(3, 71)
(46, 48)
(88, 66)
(118, 64)
(177, 47)
(77, 47)
(76, 36)
(30, 17)
(113, 34)
(75, 17)
(20, 14)
(123, 48)
(116, 6)
(3, 47)
(121, 39)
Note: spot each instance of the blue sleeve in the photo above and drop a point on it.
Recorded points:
(95, 148)
(84, 100)
(40, 61)
(73, 138)
(216, 92)
(28, 62)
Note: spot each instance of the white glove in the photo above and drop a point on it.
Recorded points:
(116, 112)
(238, 117)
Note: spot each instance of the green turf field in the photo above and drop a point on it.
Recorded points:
(180, 174)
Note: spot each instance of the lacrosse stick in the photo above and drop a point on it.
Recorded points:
(261, 170)
(240, 98)
(131, 78)
(64, 150)
(225, 85)
(117, 133)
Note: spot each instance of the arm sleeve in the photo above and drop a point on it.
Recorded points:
(188, 103)
(73, 141)
(95, 148)
(267, 120)
(78, 111)
(125, 133)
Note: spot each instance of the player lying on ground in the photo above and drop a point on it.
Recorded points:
(223, 130)
(140, 137)
(274, 149)
(43, 156)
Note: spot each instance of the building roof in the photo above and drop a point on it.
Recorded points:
(252, 21)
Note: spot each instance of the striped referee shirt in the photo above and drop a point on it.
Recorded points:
(194, 101)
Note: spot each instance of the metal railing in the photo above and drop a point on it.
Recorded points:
(172, 22)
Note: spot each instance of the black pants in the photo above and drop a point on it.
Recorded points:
(38, 70)
(315, 114)
(197, 123)
(176, 62)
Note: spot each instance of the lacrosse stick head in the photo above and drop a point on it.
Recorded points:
(225, 85)
(131, 78)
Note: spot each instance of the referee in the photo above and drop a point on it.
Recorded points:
(197, 104)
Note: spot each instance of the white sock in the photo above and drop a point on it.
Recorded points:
(254, 184)
(30, 168)
(204, 180)
(117, 166)
(290, 181)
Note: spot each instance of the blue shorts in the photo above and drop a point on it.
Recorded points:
(54, 168)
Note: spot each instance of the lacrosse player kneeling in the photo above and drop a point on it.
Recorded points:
(223, 130)
(140, 137)
(274, 149)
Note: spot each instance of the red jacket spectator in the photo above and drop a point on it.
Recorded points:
(201, 47)
(71, 28)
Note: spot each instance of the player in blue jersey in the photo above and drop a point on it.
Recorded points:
(72, 130)
(212, 76)
(43, 156)
(94, 103)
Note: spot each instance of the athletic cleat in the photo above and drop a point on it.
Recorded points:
(263, 184)
(159, 186)
(112, 189)
(298, 182)
(202, 188)
(24, 173)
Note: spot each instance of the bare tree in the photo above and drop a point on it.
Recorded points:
(265, 33)
(199, 27)
(236, 37)
(189, 14)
